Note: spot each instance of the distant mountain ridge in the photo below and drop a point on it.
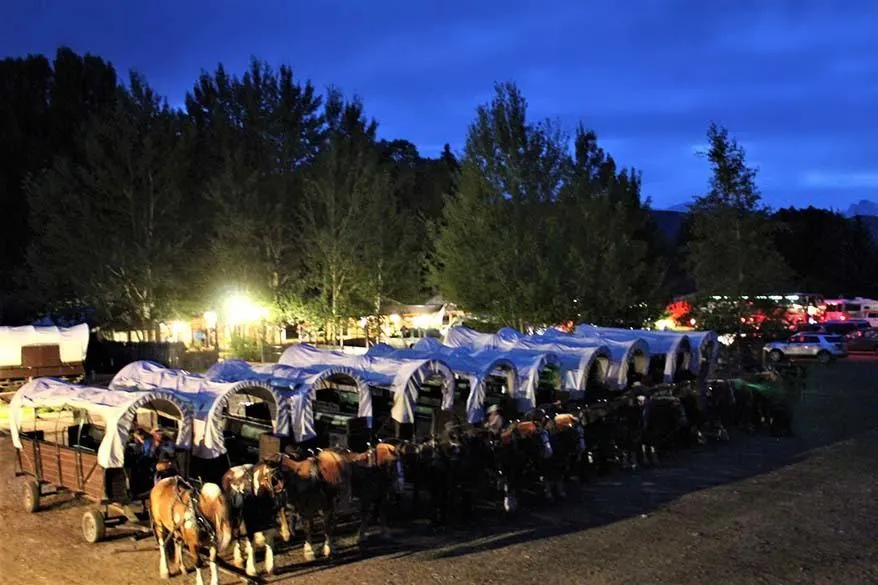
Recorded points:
(864, 207)
(670, 220)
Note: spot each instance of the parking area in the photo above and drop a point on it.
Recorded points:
(755, 510)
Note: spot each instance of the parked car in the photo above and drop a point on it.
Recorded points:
(866, 341)
(819, 346)
(848, 327)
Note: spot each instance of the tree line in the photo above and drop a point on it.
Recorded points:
(118, 203)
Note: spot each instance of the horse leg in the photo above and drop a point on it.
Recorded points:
(285, 532)
(329, 528)
(193, 550)
(178, 554)
(308, 525)
(237, 559)
(269, 553)
(214, 578)
(250, 568)
(163, 551)
(365, 511)
(382, 520)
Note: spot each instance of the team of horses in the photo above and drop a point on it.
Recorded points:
(537, 453)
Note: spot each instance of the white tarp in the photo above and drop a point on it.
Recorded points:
(72, 342)
(575, 362)
(210, 399)
(475, 366)
(402, 377)
(673, 348)
(301, 386)
(529, 362)
(117, 409)
(705, 346)
(622, 354)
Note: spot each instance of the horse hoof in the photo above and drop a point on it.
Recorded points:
(327, 551)
(309, 554)
(164, 575)
(238, 563)
(252, 573)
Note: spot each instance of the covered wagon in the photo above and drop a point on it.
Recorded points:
(32, 352)
(329, 406)
(398, 385)
(230, 417)
(88, 448)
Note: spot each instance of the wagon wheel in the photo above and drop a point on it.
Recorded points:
(31, 495)
(93, 529)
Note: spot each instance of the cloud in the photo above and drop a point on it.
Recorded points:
(840, 179)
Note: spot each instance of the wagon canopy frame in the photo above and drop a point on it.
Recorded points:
(117, 409)
(622, 354)
(210, 399)
(673, 348)
(299, 387)
(403, 378)
(477, 366)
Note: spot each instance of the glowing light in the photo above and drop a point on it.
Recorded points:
(210, 319)
(395, 319)
(664, 324)
(178, 327)
(692, 321)
(239, 310)
(422, 321)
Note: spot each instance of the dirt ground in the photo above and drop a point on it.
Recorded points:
(755, 510)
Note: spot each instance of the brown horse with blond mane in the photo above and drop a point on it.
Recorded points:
(192, 517)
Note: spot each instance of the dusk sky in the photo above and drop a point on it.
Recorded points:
(795, 81)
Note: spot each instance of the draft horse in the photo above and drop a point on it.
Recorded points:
(256, 496)
(196, 518)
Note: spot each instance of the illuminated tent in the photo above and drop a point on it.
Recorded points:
(117, 409)
(403, 378)
(475, 366)
(210, 399)
(301, 385)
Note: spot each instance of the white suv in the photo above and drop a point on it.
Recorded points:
(821, 346)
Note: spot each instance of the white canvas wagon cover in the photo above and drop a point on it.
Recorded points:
(210, 398)
(672, 347)
(402, 377)
(72, 342)
(117, 409)
(300, 387)
(575, 362)
(475, 366)
(622, 353)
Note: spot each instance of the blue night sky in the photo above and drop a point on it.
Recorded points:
(795, 81)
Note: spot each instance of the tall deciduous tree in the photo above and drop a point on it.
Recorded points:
(109, 227)
(345, 177)
(260, 133)
(513, 172)
(732, 251)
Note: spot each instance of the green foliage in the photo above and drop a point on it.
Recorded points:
(536, 235)
(107, 229)
(732, 251)
(245, 348)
